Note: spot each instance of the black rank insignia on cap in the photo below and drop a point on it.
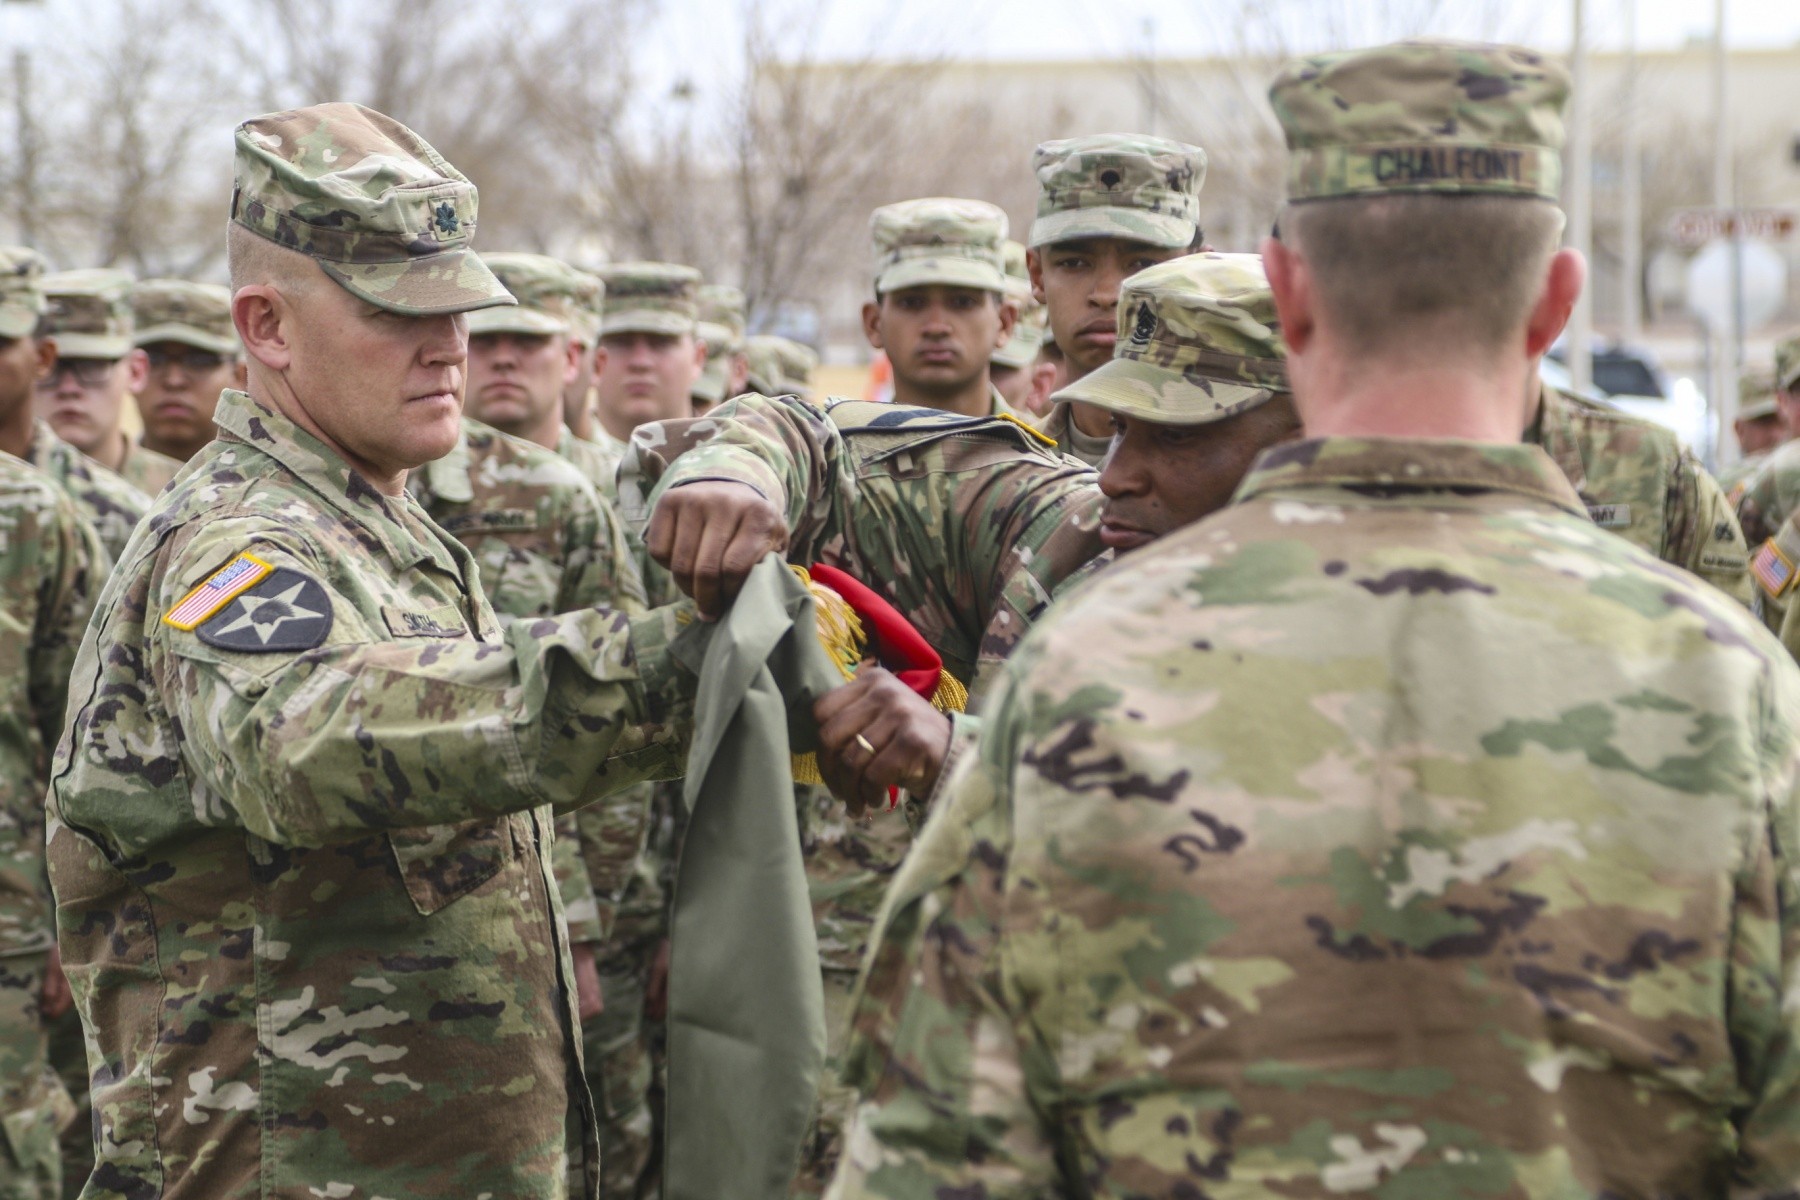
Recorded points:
(1145, 328)
(283, 611)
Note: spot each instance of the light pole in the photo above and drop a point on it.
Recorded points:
(25, 129)
(1581, 201)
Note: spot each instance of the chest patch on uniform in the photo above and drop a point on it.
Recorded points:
(217, 590)
(441, 622)
(1610, 516)
(1772, 569)
(285, 611)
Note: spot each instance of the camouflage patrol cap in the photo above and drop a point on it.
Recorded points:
(193, 314)
(1197, 343)
(938, 240)
(590, 304)
(370, 201)
(1028, 330)
(1787, 363)
(650, 297)
(1423, 116)
(778, 365)
(1756, 396)
(547, 291)
(89, 313)
(721, 327)
(1118, 185)
(21, 291)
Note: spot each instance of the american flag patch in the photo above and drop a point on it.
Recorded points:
(1772, 568)
(219, 589)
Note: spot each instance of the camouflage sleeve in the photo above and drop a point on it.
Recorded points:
(1763, 970)
(782, 446)
(611, 836)
(362, 733)
(950, 1078)
(43, 579)
(1763, 503)
(1703, 533)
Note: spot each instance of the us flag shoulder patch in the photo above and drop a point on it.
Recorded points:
(219, 589)
(1773, 569)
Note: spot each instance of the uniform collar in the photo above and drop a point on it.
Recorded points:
(1411, 465)
(1553, 431)
(265, 429)
(447, 478)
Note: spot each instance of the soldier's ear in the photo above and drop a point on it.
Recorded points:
(1009, 320)
(1034, 267)
(1563, 281)
(1290, 284)
(871, 314)
(261, 314)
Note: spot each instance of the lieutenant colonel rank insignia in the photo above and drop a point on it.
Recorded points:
(284, 611)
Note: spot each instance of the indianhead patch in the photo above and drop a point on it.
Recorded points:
(285, 611)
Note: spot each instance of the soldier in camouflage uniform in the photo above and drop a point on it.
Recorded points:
(941, 310)
(90, 317)
(1759, 428)
(1108, 206)
(297, 833)
(1015, 370)
(188, 353)
(1773, 491)
(584, 332)
(651, 352)
(104, 501)
(722, 327)
(967, 526)
(47, 573)
(1637, 480)
(1394, 831)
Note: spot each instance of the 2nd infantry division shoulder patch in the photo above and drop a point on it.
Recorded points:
(1774, 571)
(283, 611)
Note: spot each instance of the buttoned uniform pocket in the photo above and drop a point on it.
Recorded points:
(441, 863)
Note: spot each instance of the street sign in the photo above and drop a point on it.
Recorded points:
(1762, 271)
(1694, 227)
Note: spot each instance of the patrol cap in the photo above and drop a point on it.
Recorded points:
(1756, 396)
(650, 297)
(721, 326)
(1028, 330)
(939, 240)
(21, 291)
(547, 291)
(1118, 185)
(1197, 343)
(176, 310)
(590, 304)
(1423, 116)
(778, 365)
(1787, 363)
(89, 313)
(370, 201)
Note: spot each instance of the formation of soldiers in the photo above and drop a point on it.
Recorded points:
(1286, 748)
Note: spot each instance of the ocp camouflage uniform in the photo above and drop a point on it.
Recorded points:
(968, 526)
(1394, 830)
(544, 543)
(1773, 492)
(1129, 186)
(297, 821)
(1756, 402)
(780, 366)
(104, 500)
(47, 561)
(1638, 481)
(1021, 349)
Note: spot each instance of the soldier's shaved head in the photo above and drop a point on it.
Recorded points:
(256, 261)
(1426, 271)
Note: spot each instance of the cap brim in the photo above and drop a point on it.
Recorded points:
(90, 345)
(1162, 394)
(18, 320)
(516, 319)
(1129, 224)
(1020, 349)
(646, 320)
(452, 281)
(186, 335)
(1759, 410)
(944, 272)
